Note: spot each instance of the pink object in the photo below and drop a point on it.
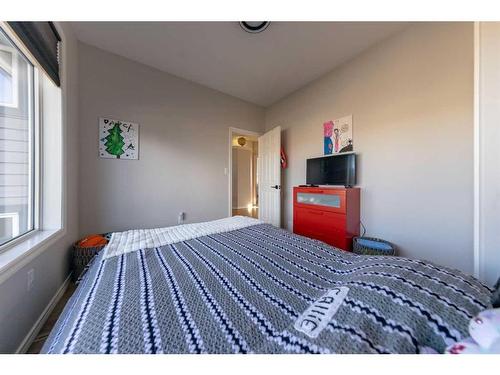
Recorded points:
(467, 346)
(328, 129)
(336, 137)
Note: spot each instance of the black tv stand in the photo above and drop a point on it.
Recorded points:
(309, 185)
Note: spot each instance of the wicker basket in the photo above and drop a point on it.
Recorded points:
(359, 246)
(81, 257)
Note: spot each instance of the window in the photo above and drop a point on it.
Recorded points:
(8, 76)
(17, 146)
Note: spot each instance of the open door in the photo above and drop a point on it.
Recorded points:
(269, 177)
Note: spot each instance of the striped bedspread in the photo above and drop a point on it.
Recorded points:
(243, 291)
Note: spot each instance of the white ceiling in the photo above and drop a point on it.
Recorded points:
(259, 68)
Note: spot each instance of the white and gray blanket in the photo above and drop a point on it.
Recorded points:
(260, 289)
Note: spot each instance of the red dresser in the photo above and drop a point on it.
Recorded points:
(327, 214)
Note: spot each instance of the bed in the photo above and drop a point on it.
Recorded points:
(238, 285)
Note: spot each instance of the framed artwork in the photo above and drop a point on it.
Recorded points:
(118, 139)
(337, 135)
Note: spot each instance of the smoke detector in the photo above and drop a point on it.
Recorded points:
(254, 27)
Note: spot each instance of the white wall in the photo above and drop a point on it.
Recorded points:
(19, 309)
(488, 151)
(411, 98)
(183, 145)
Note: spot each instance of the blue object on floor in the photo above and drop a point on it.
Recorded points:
(374, 244)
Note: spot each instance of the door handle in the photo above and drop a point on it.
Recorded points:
(276, 187)
(316, 212)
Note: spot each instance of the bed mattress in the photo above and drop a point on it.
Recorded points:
(248, 290)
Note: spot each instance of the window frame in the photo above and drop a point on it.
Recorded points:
(35, 118)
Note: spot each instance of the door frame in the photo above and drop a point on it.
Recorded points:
(232, 131)
(486, 180)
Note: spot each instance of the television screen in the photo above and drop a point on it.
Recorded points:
(332, 170)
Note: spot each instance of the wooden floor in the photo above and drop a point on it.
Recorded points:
(37, 344)
(254, 212)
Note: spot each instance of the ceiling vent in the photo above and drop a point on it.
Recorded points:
(254, 27)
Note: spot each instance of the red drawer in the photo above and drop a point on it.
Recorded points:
(319, 218)
(322, 225)
(337, 196)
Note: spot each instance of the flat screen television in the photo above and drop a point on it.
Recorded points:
(337, 169)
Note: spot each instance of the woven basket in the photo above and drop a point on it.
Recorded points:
(359, 248)
(81, 257)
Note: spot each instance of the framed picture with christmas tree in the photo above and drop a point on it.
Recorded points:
(118, 139)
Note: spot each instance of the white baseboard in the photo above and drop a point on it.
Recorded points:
(30, 337)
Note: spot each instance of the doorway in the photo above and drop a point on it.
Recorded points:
(243, 180)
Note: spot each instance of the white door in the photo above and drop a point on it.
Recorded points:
(269, 177)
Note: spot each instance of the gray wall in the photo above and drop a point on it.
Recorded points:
(19, 309)
(411, 98)
(184, 145)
